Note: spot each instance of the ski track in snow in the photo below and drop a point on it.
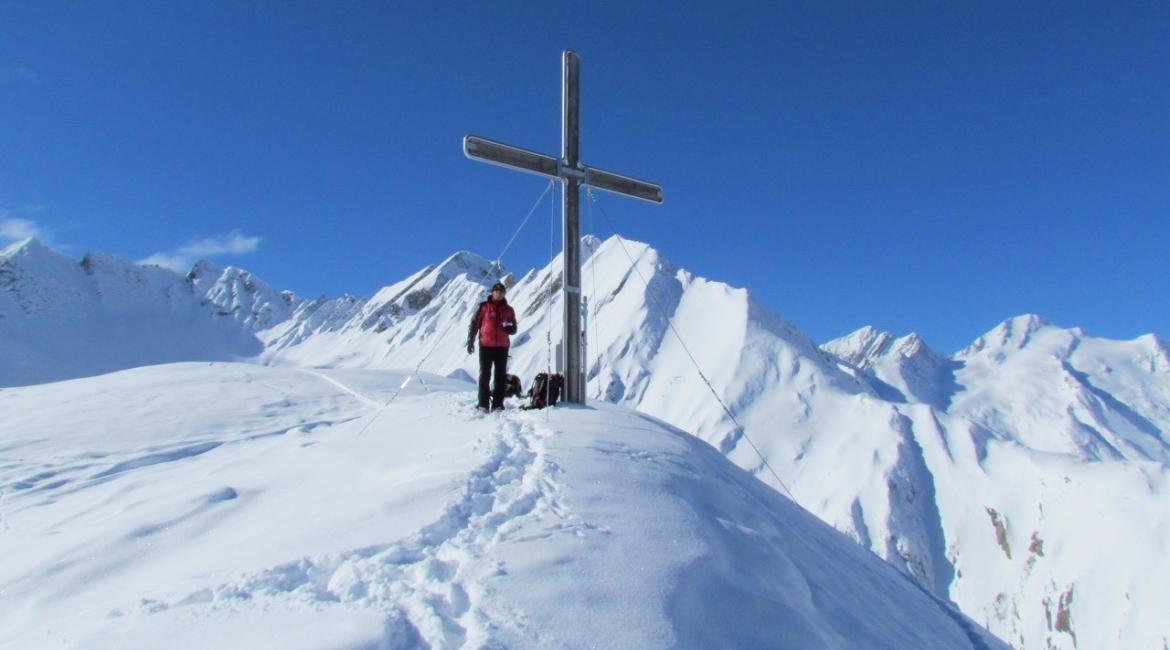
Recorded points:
(356, 395)
(432, 587)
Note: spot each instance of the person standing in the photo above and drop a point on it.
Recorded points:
(494, 321)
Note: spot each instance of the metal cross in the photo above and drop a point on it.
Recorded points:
(572, 174)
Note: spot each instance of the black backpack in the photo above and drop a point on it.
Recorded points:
(545, 391)
(513, 388)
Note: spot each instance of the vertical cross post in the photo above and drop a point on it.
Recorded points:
(571, 208)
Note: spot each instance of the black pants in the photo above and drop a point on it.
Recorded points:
(487, 358)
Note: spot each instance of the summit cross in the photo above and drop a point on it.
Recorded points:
(572, 174)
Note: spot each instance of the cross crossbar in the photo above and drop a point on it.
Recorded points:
(505, 155)
(619, 184)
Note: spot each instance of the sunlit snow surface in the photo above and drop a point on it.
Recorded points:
(231, 505)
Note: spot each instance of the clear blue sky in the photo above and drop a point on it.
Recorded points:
(918, 166)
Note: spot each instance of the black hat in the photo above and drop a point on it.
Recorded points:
(499, 286)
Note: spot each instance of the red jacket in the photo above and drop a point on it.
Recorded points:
(494, 321)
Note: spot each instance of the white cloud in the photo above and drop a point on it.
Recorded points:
(15, 229)
(234, 242)
(169, 261)
(184, 257)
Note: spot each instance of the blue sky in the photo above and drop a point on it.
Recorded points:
(915, 166)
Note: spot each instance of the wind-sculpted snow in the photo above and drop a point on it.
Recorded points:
(297, 520)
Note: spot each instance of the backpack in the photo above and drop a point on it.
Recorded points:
(545, 390)
(513, 388)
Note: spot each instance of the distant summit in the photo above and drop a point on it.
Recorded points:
(1013, 333)
(30, 246)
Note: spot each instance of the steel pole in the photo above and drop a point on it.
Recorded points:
(570, 207)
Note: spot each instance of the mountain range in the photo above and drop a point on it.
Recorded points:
(1024, 478)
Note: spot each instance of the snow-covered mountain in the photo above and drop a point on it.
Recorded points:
(61, 318)
(286, 516)
(1024, 478)
(1051, 445)
(240, 295)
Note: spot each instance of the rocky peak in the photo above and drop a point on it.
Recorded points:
(861, 347)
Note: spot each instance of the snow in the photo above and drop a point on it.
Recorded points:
(1048, 459)
(237, 293)
(60, 318)
(182, 504)
(1023, 478)
(900, 369)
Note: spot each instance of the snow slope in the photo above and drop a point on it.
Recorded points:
(243, 506)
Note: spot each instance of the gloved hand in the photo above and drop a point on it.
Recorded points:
(471, 347)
